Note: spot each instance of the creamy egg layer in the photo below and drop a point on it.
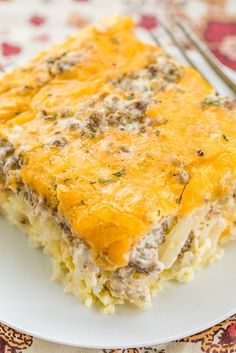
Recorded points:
(119, 162)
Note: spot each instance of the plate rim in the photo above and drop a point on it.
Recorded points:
(122, 346)
(215, 317)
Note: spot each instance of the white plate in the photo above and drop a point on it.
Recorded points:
(30, 302)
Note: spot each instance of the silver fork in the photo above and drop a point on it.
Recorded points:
(201, 49)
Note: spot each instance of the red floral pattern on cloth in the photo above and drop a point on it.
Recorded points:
(37, 20)
(46, 21)
(221, 38)
(220, 338)
(10, 49)
(147, 21)
(218, 28)
(215, 22)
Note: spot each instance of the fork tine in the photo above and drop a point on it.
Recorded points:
(178, 45)
(180, 48)
(154, 37)
(202, 48)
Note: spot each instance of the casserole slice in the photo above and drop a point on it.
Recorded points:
(119, 162)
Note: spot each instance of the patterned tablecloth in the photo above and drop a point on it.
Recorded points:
(27, 26)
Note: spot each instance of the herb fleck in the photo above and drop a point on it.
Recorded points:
(43, 114)
(130, 96)
(50, 116)
(92, 182)
(107, 181)
(93, 135)
(67, 179)
(82, 202)
(51, 61)
(121, 172)
(225, 137)
(157, 132)
(210, 101)
(179, 199)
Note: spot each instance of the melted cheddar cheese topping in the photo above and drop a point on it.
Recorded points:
(170, 148)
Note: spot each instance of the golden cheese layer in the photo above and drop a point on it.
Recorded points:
(112, 186)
